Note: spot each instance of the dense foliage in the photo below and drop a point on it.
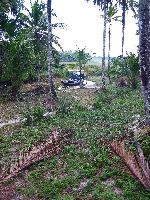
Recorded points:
(127, 66)
(23, 43)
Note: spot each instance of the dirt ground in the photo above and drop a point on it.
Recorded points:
(38, 95)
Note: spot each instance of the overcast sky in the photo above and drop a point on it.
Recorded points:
(85, 28)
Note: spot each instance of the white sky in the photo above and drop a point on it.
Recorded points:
(85, 28)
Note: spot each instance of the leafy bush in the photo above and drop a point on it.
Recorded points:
(17, 61)
(65, 104)
(60, 73)
(68, 104)
(71, 65)
(107, 97)
(92, 70)
(126, 67)
(104, 98)
(33, 114)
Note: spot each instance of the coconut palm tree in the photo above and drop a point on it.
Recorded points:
(104, 45)
(49, 58)
(111, 15)
(36, 24)
(144, 52)
(123, 4)
(104, 4)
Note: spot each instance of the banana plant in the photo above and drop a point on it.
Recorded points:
(17, 61)
(36, 22)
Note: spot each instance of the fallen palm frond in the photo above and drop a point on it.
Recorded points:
(137, 164)
(52, 146)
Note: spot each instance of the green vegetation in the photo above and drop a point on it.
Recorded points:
(23, 43)
(83, 169)
(126, 67)
(87, 167)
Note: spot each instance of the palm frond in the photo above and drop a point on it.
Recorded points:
(42, 150)
(56, 42)
(137, 164)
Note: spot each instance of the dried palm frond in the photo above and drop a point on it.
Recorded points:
(52, 146)
(137, 164)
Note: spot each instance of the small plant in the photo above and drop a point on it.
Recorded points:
(65, 104)
(104, 98)
(33, 114)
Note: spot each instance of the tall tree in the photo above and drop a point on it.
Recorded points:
(104, 45)
(123, 4)
(144, 52)
(104, 4)
(111, 15)
(50, 55)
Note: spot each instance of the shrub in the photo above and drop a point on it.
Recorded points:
(68, 104)
(93, 70)
(104, 98)
(126, 67)
(71, 65)
(33, 114)
(60, 73)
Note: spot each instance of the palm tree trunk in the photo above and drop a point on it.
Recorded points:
(50, 56)
(104, 44)
(1, 69)
(109, 35)
(144, 53)
(123, 23)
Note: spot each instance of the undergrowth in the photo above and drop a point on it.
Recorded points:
(82, 170)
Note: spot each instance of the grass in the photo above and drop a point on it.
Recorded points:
(82, 170)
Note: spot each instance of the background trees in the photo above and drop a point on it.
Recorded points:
(82, 58)
(24, 30)
(110, 7)
(15, 46)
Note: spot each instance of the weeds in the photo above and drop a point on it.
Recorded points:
(33, 114)
(59, 177)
